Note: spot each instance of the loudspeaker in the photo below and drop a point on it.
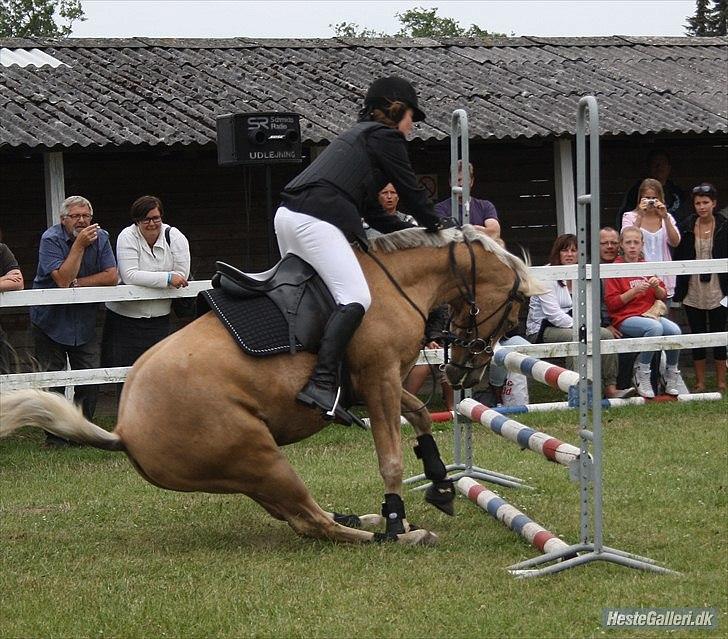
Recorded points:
(258, 138)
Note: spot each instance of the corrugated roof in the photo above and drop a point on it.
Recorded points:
(144, 91)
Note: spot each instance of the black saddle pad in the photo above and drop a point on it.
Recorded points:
(255, 323)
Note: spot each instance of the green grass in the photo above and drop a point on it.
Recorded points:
(90, 549)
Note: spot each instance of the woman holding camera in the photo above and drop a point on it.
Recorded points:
(659, 228)
(704, 237)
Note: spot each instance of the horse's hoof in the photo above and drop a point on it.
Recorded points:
(371, 521)
(441, 494)
(351, 521)
(418, 537)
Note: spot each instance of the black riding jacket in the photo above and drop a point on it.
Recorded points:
(341, 185)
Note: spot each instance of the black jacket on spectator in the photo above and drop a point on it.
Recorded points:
(686, 251)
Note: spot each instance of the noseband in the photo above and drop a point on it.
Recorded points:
(472, 342)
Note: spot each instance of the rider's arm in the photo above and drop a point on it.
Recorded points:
(387, 147)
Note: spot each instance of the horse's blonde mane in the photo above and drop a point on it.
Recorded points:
(418, 237)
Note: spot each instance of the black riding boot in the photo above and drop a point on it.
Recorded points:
(323, 388)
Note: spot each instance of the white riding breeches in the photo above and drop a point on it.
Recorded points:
(325, 248)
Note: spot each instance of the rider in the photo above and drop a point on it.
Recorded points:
(321, 213)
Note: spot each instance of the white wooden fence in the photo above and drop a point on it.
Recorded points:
(37, 297)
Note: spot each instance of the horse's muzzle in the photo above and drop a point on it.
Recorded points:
(459, 376)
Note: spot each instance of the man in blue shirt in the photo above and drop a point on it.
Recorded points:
(72, 254)
(482, 212)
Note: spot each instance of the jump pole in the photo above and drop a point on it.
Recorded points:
(551, 448)
(510, 516)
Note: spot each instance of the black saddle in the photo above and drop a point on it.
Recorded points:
(284, 309)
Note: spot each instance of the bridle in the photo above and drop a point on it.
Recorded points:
(472, 342)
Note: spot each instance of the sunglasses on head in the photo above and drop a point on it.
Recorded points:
(704, 189)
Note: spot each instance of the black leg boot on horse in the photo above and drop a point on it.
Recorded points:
(441, 492)
(324, 389)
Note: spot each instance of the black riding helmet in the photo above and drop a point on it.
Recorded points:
(387, 90)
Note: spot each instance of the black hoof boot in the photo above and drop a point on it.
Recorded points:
(441, 494)
(352, 521)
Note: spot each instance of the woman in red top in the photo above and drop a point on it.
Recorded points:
(631, 302)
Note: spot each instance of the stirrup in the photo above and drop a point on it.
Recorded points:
(336, 414)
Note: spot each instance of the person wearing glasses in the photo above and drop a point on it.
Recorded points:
(74, 253)
(550, 317)
(704, 237)
(150, 253)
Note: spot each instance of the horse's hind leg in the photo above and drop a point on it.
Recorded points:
(441, 493)
(282, 493)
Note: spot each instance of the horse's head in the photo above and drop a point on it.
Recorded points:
(492, 285)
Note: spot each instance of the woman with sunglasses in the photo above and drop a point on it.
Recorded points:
(704, 237)
(149, 253)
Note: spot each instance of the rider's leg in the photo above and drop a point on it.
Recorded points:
(326, 248)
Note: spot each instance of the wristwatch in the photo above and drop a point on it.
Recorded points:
(74, 283)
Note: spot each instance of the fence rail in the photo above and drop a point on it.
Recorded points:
(38, 297)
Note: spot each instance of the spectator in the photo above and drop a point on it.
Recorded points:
(482, 212)
(492, 394)
(659, 229)
(658, 168)
(704, 237)
(608, 252)
(146, 258)
(550, 315)
(437, 321)
(636, 304)
(384, 216)
(74, 253)
(11, 279)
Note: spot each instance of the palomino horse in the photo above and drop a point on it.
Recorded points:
(197, 414)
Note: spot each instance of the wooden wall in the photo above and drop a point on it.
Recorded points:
(222, 210)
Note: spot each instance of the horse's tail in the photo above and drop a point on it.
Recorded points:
(54, 413)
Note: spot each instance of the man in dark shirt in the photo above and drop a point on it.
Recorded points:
(74, 253)
(482, 212)
(658, 168)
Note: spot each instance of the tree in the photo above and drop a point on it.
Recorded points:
(425, 23)
(708, 20)
(38, 18)
(416, 23)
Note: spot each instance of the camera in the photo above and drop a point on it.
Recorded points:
(705, 277)
(651, 201)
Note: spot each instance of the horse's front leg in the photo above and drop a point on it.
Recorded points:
(441, 492)
(383, 398)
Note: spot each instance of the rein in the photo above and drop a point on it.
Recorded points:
(475, 345)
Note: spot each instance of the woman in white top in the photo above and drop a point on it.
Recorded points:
(550, 315)
(146, 256)
(659, 229)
